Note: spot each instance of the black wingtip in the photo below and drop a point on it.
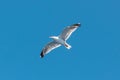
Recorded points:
(78, 24)
(42, 55)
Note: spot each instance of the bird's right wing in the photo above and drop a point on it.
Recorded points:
(68, 31)
(50, 46)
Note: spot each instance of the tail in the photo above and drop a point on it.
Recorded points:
(67, 46)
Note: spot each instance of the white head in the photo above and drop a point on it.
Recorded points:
(53, 37)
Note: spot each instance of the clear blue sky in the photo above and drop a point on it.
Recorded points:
(25, 26)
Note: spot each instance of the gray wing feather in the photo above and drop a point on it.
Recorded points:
(50, 46)
(68, 31)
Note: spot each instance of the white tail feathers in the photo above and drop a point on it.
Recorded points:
(67, 46)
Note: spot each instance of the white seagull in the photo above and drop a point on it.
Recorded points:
(60, 40)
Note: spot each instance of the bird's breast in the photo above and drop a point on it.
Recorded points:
(60, 41)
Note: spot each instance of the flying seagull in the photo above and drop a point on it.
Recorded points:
(60, 40)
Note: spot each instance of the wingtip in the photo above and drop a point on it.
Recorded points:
(42, 55)
(78, 24)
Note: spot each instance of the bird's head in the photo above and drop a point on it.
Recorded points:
(53, 37)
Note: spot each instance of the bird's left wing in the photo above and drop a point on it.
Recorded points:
(50, 46)
(68, 31)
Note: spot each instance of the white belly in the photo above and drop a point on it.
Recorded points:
(60, 41)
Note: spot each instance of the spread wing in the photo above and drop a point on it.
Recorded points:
(50, 46)
(68, 31)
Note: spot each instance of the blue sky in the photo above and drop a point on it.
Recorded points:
(25, 26)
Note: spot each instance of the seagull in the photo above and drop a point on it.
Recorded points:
(59, 40)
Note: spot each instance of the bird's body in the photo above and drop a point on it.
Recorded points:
(57, 39)
(60, 40)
